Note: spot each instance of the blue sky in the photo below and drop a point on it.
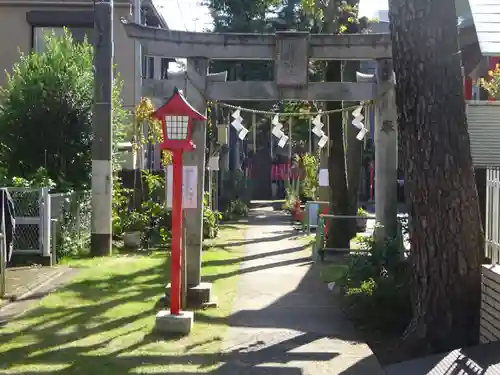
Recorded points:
(189, 15)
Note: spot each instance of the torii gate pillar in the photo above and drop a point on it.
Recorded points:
(198, 294)
(386, 153)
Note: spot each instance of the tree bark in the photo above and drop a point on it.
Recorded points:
(354, 154)
(339, 234)
(446, 234)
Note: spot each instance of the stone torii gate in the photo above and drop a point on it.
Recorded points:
(291, 52)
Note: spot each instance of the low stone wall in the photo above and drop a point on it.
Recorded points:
(490, 304)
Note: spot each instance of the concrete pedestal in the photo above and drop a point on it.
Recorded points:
(199, 296)
(177, 324)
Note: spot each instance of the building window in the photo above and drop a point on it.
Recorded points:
(40, 34)
(148, 67)
(164, 68)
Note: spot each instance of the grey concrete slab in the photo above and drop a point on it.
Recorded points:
(285, 321)
(29, 293)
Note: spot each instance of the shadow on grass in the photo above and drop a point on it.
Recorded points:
(104, 325)
(85, 339)
(82, 335)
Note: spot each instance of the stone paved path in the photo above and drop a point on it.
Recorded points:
(285, 321)
(28, 285)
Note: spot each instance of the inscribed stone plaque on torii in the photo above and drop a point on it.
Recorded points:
(292, 59)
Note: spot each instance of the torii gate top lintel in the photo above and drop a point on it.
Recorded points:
(247, 46)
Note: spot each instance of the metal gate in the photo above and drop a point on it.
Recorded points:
(492, 222)
(32, 215)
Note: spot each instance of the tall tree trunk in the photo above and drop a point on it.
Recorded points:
(339, 235)
(354, 154)
(446, 235)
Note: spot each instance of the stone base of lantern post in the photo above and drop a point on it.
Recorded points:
(199, 296)
(174, 324)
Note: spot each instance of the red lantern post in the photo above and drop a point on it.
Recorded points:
(177, 117)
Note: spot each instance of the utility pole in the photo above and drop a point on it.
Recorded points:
(102, 173)
(144, 150)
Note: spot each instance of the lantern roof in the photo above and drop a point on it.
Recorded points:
(177, 105)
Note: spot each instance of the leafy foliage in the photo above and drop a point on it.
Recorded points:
(236, 209)
(241, 15)
(376, 286)
(235, 195)
(310, 184)
(46, 114)
(211, 219)
(38, 180)
(143, 119)
(492, 83)
(73, 234)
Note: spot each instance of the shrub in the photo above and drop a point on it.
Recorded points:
(492, 83)
(235, 210)
(210, 219)
(235, 189)
(376, 287)
(310, 183)
(46, 109)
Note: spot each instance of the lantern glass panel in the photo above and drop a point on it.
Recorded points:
(177, 127)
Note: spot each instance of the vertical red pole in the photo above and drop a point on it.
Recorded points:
(468, 88)
(175, 269)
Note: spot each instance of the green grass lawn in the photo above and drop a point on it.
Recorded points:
(335, 270)
(102, 322)
(332, 272)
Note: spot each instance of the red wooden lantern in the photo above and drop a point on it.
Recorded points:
(177, 117)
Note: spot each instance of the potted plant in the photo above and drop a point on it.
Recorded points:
(361, 223)
(134, 227)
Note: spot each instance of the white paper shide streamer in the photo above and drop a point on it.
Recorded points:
(317, 130)
(237, 124)
(357, 122)
(277, 132)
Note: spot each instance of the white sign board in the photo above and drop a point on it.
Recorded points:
(323, 177)
(189, 186)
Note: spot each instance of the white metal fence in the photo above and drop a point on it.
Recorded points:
(32, 220)
(492, 222)
(45, 222)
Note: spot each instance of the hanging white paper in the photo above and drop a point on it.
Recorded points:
(278, 133)
(189, 186)
(276, 120)
(361, 135)
(357, 122)
(322, 142)
(243, 133)
(283, 140)
(317, 121)
(323, 178)
(357, 111)
(237, 124)
(236, 114)
(318, 132)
